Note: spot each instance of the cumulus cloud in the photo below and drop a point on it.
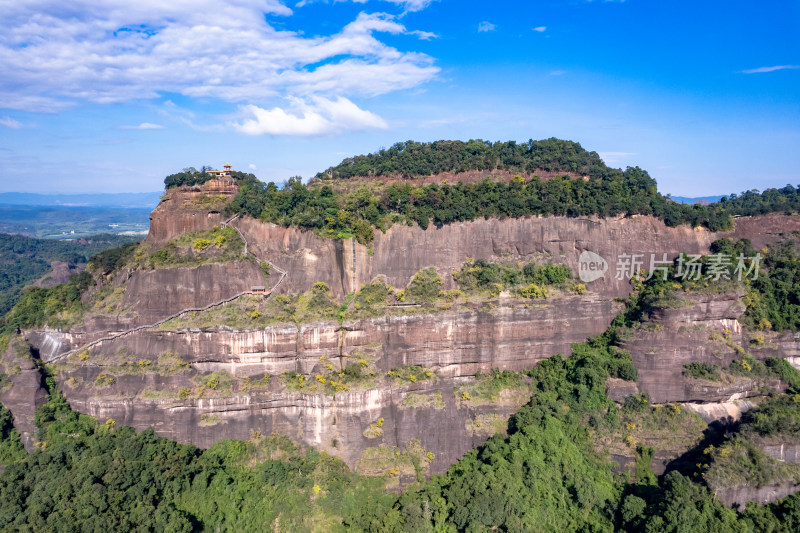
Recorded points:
(486, 26)
(143, 126)
(314, 116)
(540, 29)
(9, 122)
(761, 70)
(252, 167)
(55, 54)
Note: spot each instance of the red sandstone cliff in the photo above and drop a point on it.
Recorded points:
(455, 344)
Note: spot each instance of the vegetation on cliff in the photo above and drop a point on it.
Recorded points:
(218, 245)
(11, 450)
(335, 208)
(741, 460)
(92, 476)
(191, 176)
(480, 282)
(64, 305)
(545, 473)
(773, 301)
(777, 417)
(356, 214)
(525, 280)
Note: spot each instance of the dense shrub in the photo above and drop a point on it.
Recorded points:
(424, 287)
(698, 370)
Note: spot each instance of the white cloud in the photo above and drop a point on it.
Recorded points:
(486, 26)
(413, 5)
(760, 70)
(408, 5)
(615, 158)
(252, 167)
(540, 29)
(425, 35)
(314, 116)
(143, 126)
(9, 122)
(556, 72)
(55, 54)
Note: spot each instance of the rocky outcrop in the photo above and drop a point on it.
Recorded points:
(456, 343)
(725, 413)
(59, 273)
(698, 328)
(156, 294)
(181, 211)
(25, 393)
(151, 297)
(739, 496)
(782, 451)
(764, 230)
(784, 344)
(336, 424)
(403, 250)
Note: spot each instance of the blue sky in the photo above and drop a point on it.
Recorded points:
(110, 96)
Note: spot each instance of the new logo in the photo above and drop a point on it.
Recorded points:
(591, 266)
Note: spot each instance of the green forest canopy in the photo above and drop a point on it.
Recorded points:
(356, 214)
(23, 260)
(413, 159)
(344, 212)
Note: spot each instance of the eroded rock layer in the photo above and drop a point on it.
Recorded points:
(150, 377)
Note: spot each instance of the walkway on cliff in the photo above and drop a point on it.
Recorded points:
(154, 325)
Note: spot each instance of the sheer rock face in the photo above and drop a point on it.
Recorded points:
(704, 329)
(782, 451)
(151, 296)
(179, 213)
(155, 294)
(402, 250)
(738, 496)
(405, 250)
(25, 394)
(455, 345)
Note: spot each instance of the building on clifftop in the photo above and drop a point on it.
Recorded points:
(223, 182)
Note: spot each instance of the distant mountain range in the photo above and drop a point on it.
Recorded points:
(705, 200)
(125, 200)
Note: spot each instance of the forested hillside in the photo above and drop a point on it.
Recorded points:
(342, 215)
(23, 260)
(413, 159)
(337, 209)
